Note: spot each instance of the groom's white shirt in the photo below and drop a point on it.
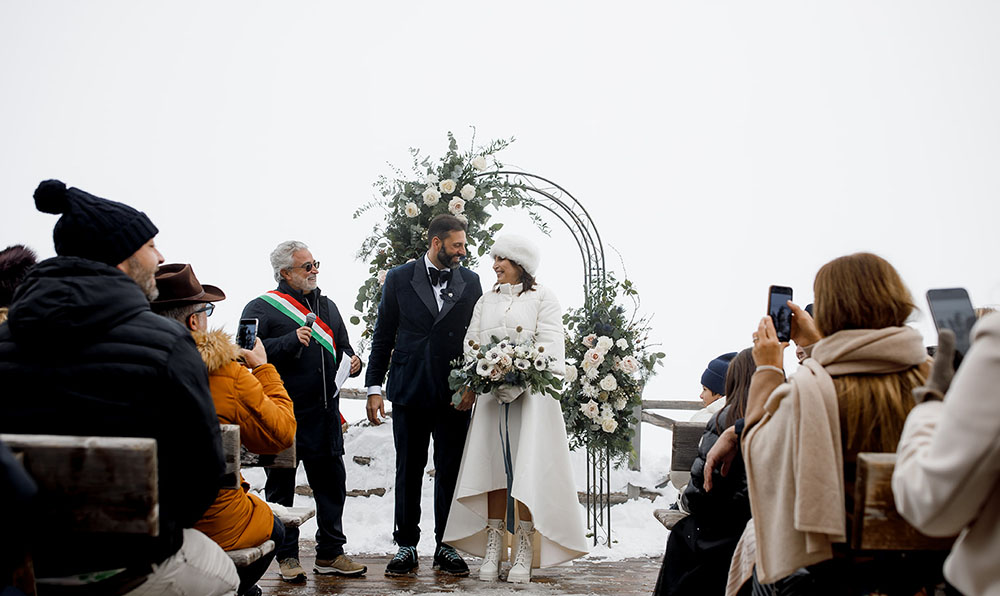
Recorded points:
(377, 389)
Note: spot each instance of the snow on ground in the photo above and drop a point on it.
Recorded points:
(368, 521)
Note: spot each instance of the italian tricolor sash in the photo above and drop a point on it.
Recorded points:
(293, 309)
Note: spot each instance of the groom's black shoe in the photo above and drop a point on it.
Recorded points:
(404, 563)
(447, 560)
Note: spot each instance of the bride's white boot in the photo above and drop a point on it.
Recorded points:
(520, 572)
(490, 569)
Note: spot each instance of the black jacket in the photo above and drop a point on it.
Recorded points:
(317, 415)
(421, 340)
(82, 354)
(725, 510)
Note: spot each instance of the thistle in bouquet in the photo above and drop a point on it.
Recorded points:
(506, 368)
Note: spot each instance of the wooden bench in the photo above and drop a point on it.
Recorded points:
(683, 451)
(88, 485)
(875, 524)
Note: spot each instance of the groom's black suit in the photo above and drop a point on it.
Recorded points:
(422, 340)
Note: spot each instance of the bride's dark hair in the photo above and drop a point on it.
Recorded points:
(526, 280)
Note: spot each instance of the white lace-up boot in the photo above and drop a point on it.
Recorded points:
(490, 569)
(520, 572)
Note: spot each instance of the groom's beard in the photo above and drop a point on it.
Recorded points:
(449, 260)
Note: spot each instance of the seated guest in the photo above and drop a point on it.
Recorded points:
(257, 402)
(15, 261)
(947, 478)
(82, 354)
(713, 392)
(701, 545)
(803, 436)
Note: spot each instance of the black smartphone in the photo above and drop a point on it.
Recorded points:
(781, 314)
(952, 309)
(246, 333)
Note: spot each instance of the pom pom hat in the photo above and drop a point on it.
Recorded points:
(518, 249)
(714, 376)
(91, 227)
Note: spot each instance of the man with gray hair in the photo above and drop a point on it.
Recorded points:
(307, 357)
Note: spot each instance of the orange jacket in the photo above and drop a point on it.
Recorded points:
(259, 404)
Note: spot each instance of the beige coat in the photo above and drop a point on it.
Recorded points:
(947, 477)
(794, 457)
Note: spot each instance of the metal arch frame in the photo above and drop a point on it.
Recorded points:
(566, 208)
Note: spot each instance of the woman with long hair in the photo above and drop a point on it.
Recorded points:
(802, 437)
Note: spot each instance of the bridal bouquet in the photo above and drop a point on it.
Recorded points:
(505, 368)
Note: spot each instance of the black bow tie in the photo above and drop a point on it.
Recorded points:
(439, 276)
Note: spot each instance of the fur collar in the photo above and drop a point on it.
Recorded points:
(216, 348)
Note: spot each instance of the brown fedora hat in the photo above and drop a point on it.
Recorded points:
(179, 286)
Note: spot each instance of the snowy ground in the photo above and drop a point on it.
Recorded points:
(368, 521)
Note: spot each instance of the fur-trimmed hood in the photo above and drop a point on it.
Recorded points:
(216, 348)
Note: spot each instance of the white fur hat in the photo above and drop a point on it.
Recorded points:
(518, 249)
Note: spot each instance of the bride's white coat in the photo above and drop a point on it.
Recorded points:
(543, 477)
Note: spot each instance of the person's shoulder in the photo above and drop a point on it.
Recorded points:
(988, 326)
(469, 274)
(404, 269)
(545, 293)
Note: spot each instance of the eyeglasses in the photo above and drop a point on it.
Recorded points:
(308, 266)
(208, 309)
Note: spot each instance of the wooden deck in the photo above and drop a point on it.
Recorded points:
(622, 578)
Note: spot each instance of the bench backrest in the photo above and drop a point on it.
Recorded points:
(876, 525)
(231, 454)
(684, 448)
(92, 484)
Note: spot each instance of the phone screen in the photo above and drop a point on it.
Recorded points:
(952, 309)
(781, 314)
(246, 333)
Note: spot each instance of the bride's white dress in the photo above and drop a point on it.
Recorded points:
(543, 479)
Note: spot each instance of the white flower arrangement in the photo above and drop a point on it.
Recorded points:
(483, 369)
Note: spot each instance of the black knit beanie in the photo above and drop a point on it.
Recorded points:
(92, 227)
(714, 376)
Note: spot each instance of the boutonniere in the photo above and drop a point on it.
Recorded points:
(448, 295)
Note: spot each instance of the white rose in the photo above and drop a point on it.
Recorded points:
(431, 196)
(604, 343)
(496, 374)
(620, 403)
(592, 373)
(522, 364)
(630, 365)
(594, 357)
(622, 343)
(479, 163)
(609, 383)
(468, 192)
(590, 409)
(381, 276)
(590, 340)
(571, 373)
(431, 180)
(505, 362)
(411, 210)
(447, 186)
(609, 425)
(456, 206)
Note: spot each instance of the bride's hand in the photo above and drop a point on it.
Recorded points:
(468, 398)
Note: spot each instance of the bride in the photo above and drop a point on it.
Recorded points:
(530, 435)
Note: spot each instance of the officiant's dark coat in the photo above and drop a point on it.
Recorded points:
(420, 341)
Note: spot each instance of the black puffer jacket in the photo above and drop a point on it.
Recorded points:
(82, 354)
(306, 371)
(726, 508)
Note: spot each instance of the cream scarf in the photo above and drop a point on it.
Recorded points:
(794, 461)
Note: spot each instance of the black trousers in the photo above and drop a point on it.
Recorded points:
(254, 571)
(412, 429)
(327, 478)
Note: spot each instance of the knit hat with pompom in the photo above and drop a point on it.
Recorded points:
(92, 227)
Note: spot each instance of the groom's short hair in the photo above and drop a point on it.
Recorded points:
(444, 224)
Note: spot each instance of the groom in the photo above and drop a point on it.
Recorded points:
(422, 318)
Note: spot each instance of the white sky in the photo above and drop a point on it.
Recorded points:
(719, 146)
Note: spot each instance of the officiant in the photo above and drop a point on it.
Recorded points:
(307, 357)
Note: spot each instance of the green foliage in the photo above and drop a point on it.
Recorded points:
(628, 360)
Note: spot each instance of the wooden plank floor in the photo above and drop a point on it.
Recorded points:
(622, 578)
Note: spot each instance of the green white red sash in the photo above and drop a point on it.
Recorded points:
(293, 309)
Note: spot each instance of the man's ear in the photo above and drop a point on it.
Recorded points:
(284, 274)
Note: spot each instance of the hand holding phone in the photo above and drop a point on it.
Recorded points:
(952, 309)
(246, 333)
(781, 315)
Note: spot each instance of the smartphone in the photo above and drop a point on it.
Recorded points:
(781, 314)
(246, 333)
(952, 309)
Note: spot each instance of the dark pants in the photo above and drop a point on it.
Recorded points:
(327, 478)
(693, 563)
(412, 429)
(254, 571)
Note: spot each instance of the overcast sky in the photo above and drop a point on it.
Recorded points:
(720, 147)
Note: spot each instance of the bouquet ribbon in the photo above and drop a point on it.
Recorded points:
(508, 464)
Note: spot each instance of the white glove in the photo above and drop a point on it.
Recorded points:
(507, 393)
